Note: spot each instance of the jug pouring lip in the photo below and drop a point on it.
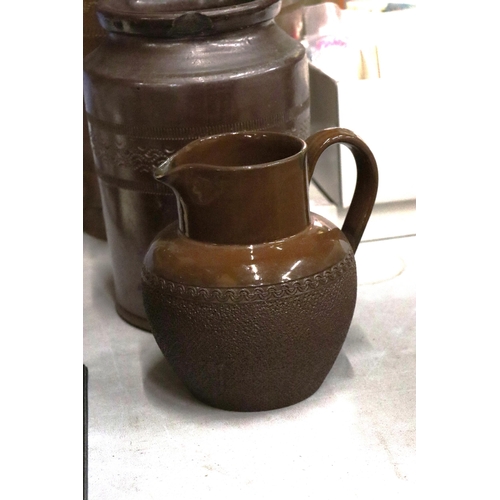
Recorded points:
(163, 169)
(241, 152)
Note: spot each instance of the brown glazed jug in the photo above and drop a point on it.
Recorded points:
(93, 221)
(169, 73)
(250, 296)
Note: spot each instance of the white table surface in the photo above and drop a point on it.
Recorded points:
(354, 438)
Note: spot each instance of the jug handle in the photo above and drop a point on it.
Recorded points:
(366, 182)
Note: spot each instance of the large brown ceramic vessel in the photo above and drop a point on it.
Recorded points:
(93, 221)
(250, 296)
(168, 73)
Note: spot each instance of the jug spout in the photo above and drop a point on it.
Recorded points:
(193, 184)
(161, 173)
(240, 188)
(190, 186)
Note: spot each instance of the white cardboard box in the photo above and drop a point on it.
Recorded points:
(382, 112)
(368, 83)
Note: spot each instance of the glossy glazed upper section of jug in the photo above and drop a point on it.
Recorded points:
(174, 257)
(183, 18)
(241, 188)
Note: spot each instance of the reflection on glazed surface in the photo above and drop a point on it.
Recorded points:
(177, 258)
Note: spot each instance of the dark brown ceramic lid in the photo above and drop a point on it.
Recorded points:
(182, 18)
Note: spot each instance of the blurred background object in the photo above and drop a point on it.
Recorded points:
(291, 14)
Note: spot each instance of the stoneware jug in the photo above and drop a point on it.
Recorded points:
(249, 295)
(167, 73)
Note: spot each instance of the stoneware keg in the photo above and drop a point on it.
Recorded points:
(170, 72)
(93, 221)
